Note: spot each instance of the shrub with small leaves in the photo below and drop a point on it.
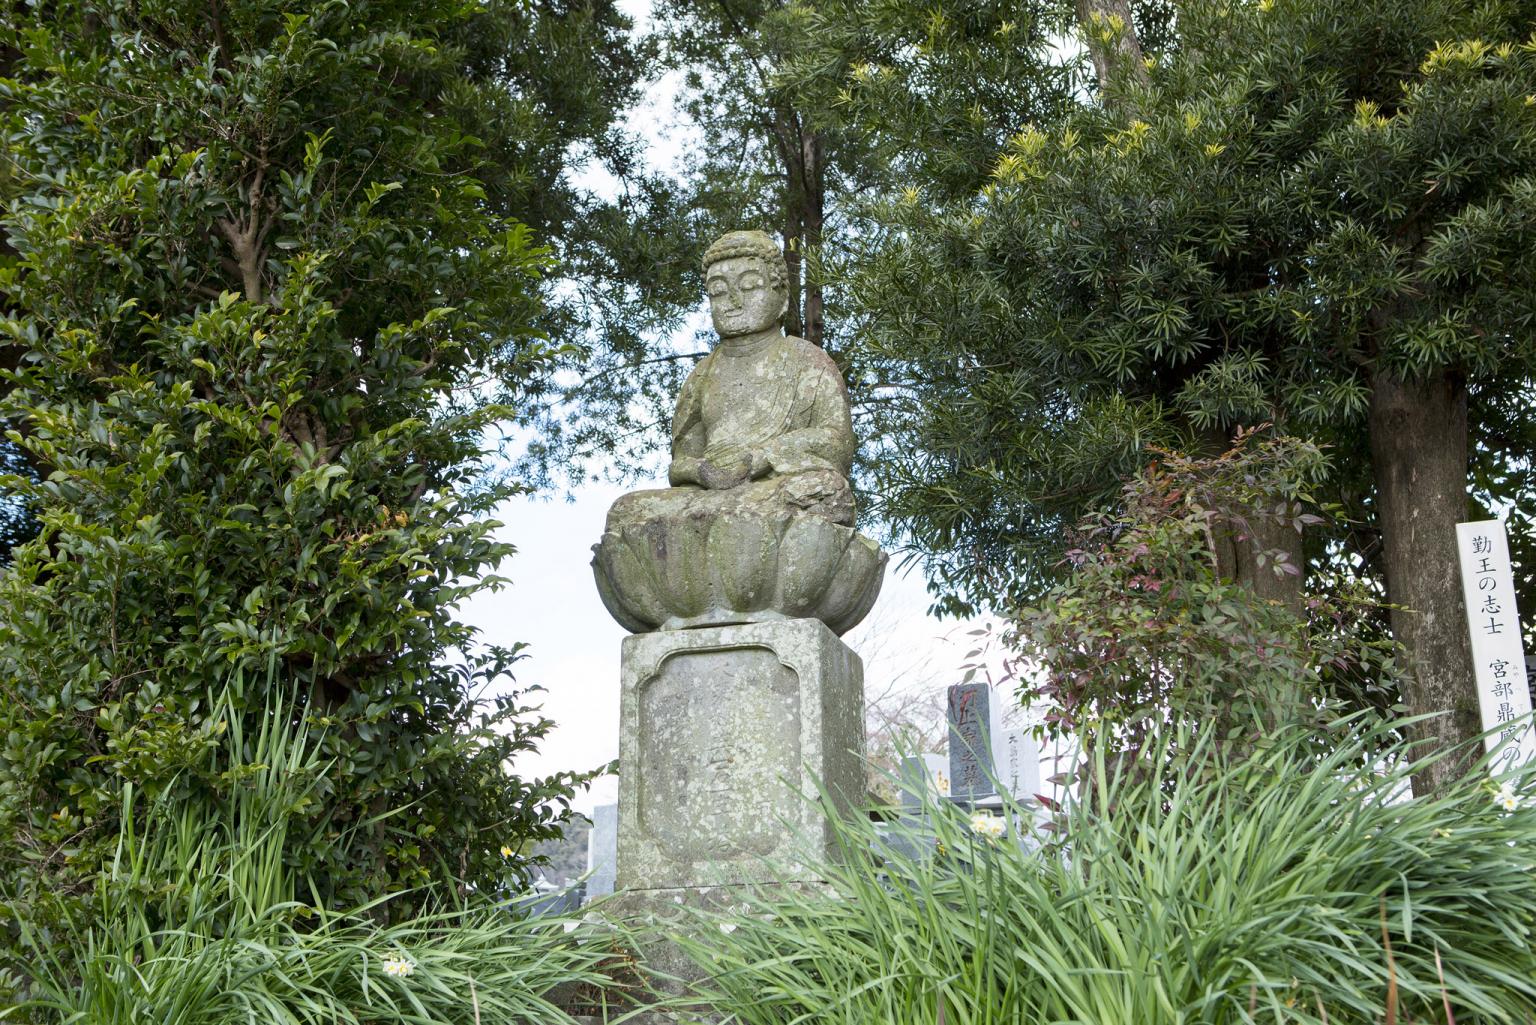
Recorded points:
(1145, 629)
(265, 267)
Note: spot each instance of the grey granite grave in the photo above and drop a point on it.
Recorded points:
(602, 850)
(974, 722)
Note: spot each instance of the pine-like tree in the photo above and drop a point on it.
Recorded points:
(1311, 213)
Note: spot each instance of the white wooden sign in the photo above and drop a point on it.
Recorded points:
(1498, 655)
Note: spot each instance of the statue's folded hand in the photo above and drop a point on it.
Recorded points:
(724, 476)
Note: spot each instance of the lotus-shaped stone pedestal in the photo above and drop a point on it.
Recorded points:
(682, 570)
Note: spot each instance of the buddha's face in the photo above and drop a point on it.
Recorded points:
(742, 299)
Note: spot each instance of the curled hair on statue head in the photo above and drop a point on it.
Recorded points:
(757, 244)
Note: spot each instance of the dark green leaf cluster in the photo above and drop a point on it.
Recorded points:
(1305, 194)
(930, 93)
(267, 268)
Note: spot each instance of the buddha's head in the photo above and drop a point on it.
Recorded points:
(747, 282)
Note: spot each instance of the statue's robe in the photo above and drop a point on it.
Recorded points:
(779, 402)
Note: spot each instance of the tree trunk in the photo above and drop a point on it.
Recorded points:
(1124, 52)
(813, 168)
(1419, 452)
(793, 261)
(1238, 547)
(788, 138)
(1266, 536)
(1237, 551)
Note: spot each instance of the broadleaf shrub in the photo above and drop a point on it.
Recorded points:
(1146, 629)
(262, 269)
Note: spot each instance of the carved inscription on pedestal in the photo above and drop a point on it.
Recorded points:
(720, 731)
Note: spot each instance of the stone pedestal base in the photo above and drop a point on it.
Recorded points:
(726, 734)
(722, 730)
(655, 920)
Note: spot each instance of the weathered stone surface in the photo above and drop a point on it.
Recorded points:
(757, 522)
(738, 700)
(695, 569)
(723, 730)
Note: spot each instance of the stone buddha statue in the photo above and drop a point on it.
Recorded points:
(763, 419)
(759, 512)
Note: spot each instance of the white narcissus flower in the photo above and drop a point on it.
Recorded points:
(1506, 798)
(987, 825)
(398, 966)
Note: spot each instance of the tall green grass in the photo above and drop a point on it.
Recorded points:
(1284, 887)
(200, 922)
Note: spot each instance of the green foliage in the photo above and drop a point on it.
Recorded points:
(202, 921)
(17, 524)
(1305, 194)
(1144, 628)
(780, 133)
(741, 136)
(930, 93)
(1291, 887)
(267, 267)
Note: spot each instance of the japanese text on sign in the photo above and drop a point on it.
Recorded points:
(1497, 653)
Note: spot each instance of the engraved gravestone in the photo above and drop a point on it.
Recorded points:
(973, 723)
(1018, 765)
(715, 748)
(726, 727)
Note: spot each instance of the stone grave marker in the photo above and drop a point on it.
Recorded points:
(911, 836)
(736, 582)
(974, 722)
(929, 772)
(1017, 765)
(602, 850)
(983, 756)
